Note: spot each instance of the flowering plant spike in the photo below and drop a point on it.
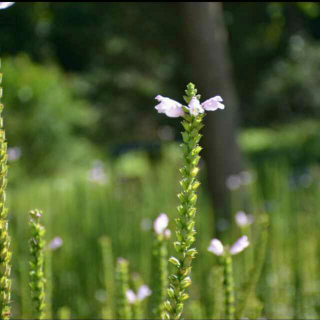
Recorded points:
(37, 282)
(123, 308)
(225, 254)
(192, 122)
(159, 263)
(5, 254)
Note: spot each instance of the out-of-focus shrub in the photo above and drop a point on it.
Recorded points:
(290, 89)
(44, 119)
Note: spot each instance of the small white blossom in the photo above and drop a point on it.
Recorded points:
(213, 104)
(239, 245)
(216, 247)
(14, 153)
(243, 220)
(131, 296)
(143, 292)
(161, 223)
(169, 107)
(167, 234)
(55, 243)
(195, 107)
(5, 5)
(233, 182)
(174, 109)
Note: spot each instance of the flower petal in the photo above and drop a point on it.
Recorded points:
(195, 107)
(143, 292)
(5, 5)
(213, 104)
(239, 245)
(216, 247)
(161, 223)
(131, 296)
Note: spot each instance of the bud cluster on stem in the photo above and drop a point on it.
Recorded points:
(5, 254)
(37, 282)
(180, 280)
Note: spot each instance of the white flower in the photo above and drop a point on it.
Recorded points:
(14, 153)
(5, 5)
(195, 107)
(233, 182)
(143, 292)
(161, 223)
(167, 234)
(171, 108)
(55, 243)
(213, 104)
(239, 245)
(243, 220)
(131, 296)
(216, 247)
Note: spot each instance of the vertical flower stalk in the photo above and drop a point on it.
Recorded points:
(225, 254)
(254, 274)
(228, 285)
(123, 310)
(37, 283)
(5, 254)
(108, 267)
(159, 263)
(193, 115)
(136, 299)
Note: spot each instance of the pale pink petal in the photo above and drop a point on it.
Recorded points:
(143, 292)
(174, 112)
(167, 234)
(5, 5)
(168, 106)
(131, 296)
(195, 107)
(243, 220)
(213, 104)
(239, 245)
(216, 247)
(161, 223)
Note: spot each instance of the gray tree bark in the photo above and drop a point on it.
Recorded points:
(207, 41)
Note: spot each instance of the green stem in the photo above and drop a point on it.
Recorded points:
(228, 285)
(37, 282)
(5, 254)
(185, 231)
(108, 267)
(123, 310)
(159, 278)
(254, 274)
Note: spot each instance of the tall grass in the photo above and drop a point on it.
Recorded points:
(81, 212)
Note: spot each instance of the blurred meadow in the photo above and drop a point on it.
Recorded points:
(87, 147)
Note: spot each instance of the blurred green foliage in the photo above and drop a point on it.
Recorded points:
(80, 211)
(44, 117)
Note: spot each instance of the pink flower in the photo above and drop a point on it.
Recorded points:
(195, 107)
(243, 220)
(169, 107)
(5, 5)
(161, 223)
(213, 104)
(55, 243)
(131, 296)
(143, 292)
(216, 247)
(239, 245)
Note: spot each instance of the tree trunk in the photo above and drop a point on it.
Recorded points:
(207, 41)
